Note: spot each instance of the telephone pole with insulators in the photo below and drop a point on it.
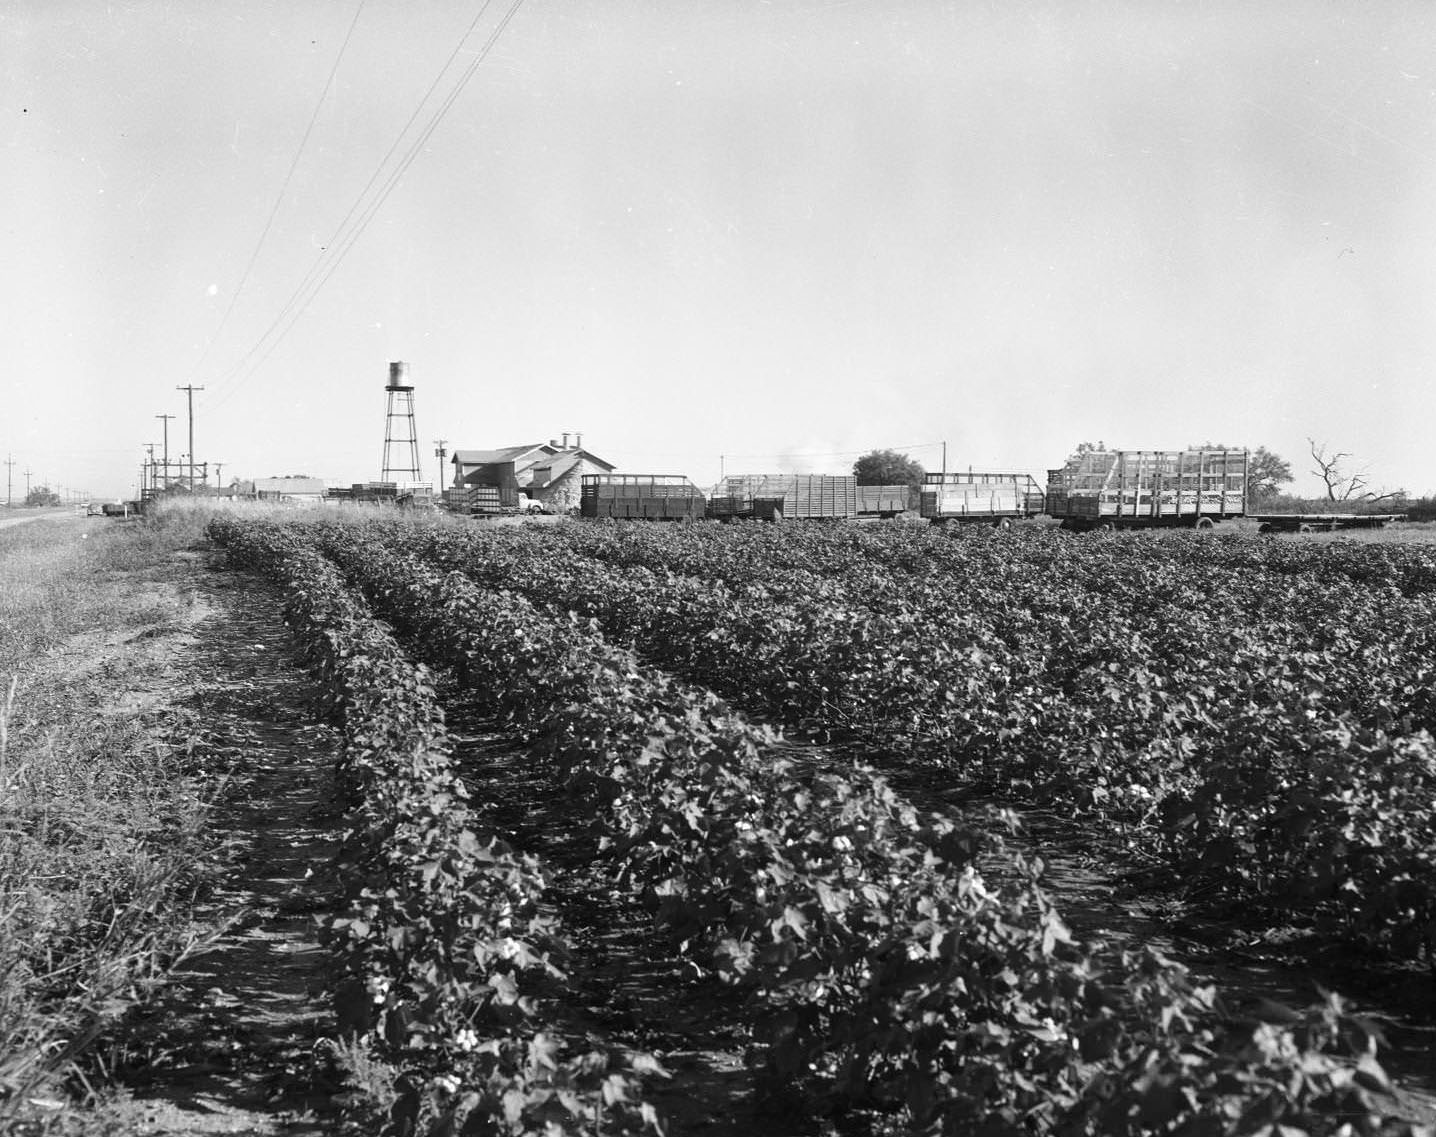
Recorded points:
(190, 389)
(165, 477)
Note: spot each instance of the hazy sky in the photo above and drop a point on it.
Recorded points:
(781, 232)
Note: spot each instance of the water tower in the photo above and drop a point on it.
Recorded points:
(401, 437)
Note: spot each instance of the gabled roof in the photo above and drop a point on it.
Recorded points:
(525, 458)
(504, 454)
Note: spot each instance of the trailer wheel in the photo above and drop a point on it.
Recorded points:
(1267, 528)
(1203, 524)
(1304, 528)
(1003, 523)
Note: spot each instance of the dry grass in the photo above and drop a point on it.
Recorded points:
(1400, 533)
(100, 822)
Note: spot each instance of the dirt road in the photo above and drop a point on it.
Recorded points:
(7, 519)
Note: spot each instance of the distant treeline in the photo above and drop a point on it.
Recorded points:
(1421, 509)
(1413, 509)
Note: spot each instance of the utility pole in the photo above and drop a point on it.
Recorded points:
(27, 485)
(189, 389)
(440, 452)
(166, 420)
(150, 484)
(9, 477)
(219, 475)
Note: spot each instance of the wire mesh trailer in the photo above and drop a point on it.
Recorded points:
(641, 497)
(967, 497)
(774, 497)
(1149, 488)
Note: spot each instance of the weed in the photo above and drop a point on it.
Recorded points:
(101, 834)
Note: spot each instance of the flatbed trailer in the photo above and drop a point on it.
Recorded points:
(1321, 522)
(1148, 489)
(966, 497)
(640, 497)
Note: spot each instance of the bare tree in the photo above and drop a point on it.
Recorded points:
(1342, 483)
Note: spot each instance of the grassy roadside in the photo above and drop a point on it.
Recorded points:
(101, 813)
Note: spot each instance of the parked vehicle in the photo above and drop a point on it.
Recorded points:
(1096, 489)
(774, 497)
(997, 499)
(646, 497)
(887, 501)
(1131, 489)
(1321, 522)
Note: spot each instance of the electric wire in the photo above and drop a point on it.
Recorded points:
(790, 454)
(327, 250)
(279, 197)
(391, 183)
(342, 242)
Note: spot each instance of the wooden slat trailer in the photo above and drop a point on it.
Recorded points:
(1320, 522)
(641, 497)
(1143, 489)
(998, 499)
(482, 500)
(886, 501)
(776, 497)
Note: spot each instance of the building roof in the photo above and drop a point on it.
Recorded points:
(505, 454)
(559, 466)
(526, 458)
(289, 485)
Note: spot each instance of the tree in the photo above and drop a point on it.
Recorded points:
(1341, 481)
(1267, 473)
(1074, 460)
(887, 468)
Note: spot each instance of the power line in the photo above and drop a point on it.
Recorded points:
(279, 197)
(341, 242)
(391, 183)
(788, 454)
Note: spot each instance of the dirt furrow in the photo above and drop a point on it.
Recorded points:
(624, 983)
(237, 1042)
(1102, 894)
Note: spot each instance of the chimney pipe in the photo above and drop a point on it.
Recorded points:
(565, 440)
(578, 441)
(553, 442)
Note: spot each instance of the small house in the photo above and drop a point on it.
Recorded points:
(550, 473)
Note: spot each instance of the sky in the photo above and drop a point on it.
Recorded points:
(716, 236)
